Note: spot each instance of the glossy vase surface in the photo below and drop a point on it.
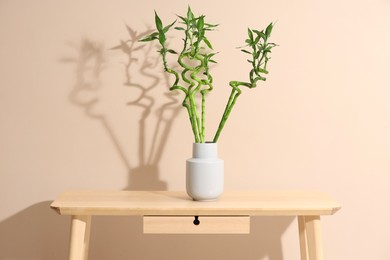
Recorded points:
(204, 173)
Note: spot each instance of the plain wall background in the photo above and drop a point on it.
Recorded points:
(319, 122)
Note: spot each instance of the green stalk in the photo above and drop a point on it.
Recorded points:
(224, 116)
(192, 119)
(195, 72)
(187, 101)
(175, 86)
(195, 116)
(203, 92)
(203, 115)
(191, 100)
(236, 91)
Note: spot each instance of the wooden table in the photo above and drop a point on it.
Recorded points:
(174, 212)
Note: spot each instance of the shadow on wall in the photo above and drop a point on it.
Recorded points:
(154, 113)
(39, 233)
(34, 233)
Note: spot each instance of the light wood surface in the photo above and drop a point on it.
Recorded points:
(174, 212)
(178, 203)
(207, 225)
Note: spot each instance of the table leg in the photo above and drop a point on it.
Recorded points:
(79, 239)
(310, 237)
(303, 238)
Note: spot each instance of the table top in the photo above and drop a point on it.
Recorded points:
(142, 203)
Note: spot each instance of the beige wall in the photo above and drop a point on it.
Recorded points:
(320, 122)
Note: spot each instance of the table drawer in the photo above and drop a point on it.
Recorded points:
(189, 225)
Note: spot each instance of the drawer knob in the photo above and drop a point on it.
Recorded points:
(196, 221)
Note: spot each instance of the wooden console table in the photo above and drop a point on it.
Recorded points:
(175, 212)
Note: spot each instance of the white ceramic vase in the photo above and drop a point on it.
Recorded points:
(204, 173)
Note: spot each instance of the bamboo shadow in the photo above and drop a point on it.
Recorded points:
(147, 171)
(90, 64)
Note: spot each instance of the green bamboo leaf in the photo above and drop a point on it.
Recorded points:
(213, 61)
(250, 34)
(200, 23)
(207, 58)
(162, 39)
(261, 70)
(212, 54)
(179, 28)
(261, 34)
(150, 37)
(207, 43)
(210, 25)
(147, 39)
(246, 51)
(166, 28)
(201, 35)
(257, 39)
(272, 44)
(267, 49)
(161, 34)
(158, 22)
(143, 34)
(183, 19)
(248, 41)
(190, 15)
(268, 30)
(171, 51)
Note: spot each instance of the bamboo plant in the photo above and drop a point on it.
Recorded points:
(192, 75)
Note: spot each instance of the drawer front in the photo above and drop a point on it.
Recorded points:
(203, 225)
